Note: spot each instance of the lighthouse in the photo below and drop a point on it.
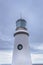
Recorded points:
(21, 52)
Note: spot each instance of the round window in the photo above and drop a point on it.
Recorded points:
(19, 47)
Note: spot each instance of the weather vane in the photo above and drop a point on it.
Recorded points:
(21, 15)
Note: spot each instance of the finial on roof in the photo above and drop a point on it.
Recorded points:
(20, 15)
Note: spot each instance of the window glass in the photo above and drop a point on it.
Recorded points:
(19, 47)
(21, 24)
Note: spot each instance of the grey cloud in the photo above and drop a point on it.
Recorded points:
(10, 11)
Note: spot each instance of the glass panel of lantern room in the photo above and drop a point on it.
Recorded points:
(23, 24)
(18, 24)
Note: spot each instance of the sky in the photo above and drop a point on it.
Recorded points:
(10, 12)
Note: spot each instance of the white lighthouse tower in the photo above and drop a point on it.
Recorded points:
(21, 54)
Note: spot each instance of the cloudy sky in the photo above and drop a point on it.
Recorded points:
(32, 12)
